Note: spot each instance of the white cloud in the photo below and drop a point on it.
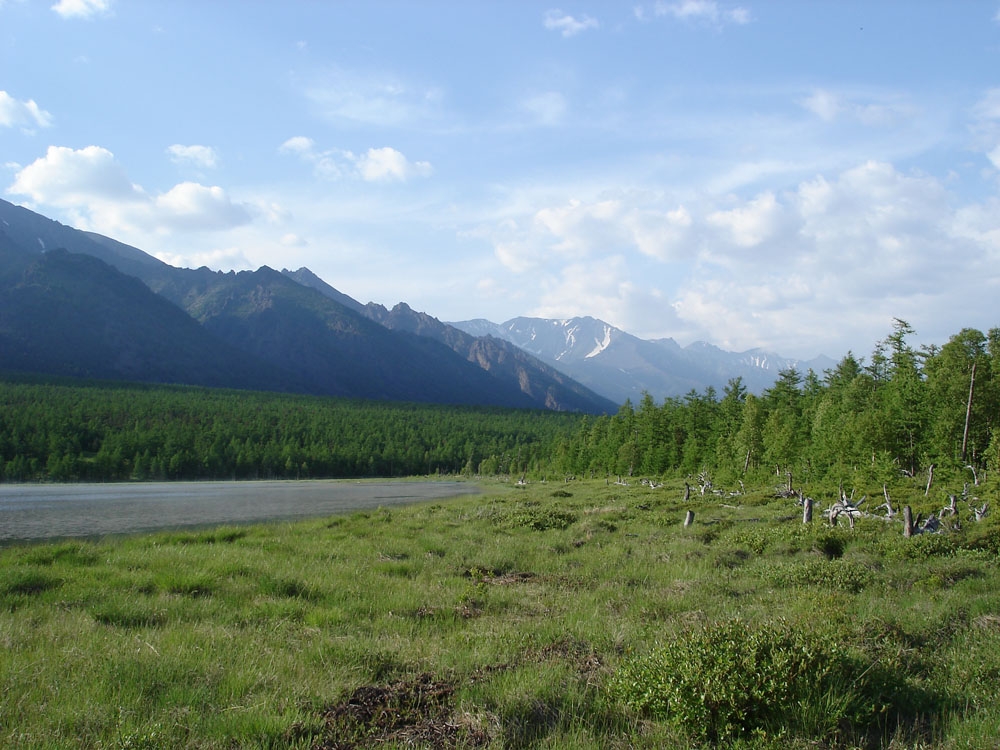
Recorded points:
(752, 223)
(580, 229)
(824, 104)
(384, 164)
(868, 108)
(298, 144)
(704, 11)
(82, 8)
(198, 156)
(382, 100)
(861, 248)
(388, 164)
(93, 186)
(190, 206)
(69, 177)
(567, 25)
(25, 115)
(832, 259)
(660, 233)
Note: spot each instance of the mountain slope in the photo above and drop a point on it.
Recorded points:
(620, 366)
(263, 321)
(545, 385)
(328, 345)
(70, 314)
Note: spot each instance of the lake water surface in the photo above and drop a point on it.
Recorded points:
(45, 511)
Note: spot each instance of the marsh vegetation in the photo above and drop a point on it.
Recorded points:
(551, 614)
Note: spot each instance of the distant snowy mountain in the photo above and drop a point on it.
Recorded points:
(621, 366)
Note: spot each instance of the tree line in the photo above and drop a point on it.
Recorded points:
(865, 421)
(113, 432)
(903, 411)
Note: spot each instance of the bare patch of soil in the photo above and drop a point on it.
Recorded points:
(418, 712)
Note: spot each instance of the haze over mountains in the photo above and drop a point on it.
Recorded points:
(79, 304)
(621, 366)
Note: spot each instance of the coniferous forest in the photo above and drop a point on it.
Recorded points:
(899, 411)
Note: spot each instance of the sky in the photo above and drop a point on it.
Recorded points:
(788, 175)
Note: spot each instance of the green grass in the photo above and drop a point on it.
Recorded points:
(557, 615)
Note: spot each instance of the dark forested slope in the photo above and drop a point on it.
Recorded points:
(259, 329)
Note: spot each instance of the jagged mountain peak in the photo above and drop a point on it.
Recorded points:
(622, 366)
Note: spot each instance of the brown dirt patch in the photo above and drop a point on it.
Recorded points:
(418, 712)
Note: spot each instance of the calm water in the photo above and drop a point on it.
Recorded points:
(45, 511)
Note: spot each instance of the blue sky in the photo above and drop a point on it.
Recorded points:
(791, 175)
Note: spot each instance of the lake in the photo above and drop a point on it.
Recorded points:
(46, 511)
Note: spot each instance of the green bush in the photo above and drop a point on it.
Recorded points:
(736, 680)
(537, 518)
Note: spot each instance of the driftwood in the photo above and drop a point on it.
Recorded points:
(705, 482)
(845, 507)
(968, 412)
(951, 509)
(889, 511)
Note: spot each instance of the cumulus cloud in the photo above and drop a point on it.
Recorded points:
(836, 256)
(578, 229)
(567, 25)
(26, 115)
(388, 164)
(94, 187)
(73, 177)
(752, 223)
(870, 244)
(199, 156)
(703, 11)
(82, 8)
(298, 144)
(191, 206)
(384, 164)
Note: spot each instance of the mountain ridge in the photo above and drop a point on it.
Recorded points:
(302, 334)
(621, 366)
(297, 328)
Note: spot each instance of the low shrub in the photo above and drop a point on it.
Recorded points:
(736, 680)
(538, 518)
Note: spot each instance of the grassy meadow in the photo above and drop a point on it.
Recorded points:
(562, 614)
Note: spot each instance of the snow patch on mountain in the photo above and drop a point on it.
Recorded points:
(601, 345)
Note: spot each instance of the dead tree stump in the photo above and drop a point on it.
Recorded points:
(907, 521)
(688, 518)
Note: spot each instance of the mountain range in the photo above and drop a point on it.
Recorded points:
(621, 366)
(80, 304)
